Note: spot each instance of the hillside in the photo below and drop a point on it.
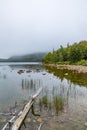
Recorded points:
(34, 57)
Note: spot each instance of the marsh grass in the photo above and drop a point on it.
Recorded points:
(55, 104)
(43, 101)
(58, 104)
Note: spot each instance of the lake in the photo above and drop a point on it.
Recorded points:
(61, 105)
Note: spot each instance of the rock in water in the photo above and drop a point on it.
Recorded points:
(28, 120)
(39, 120)
(86, 124)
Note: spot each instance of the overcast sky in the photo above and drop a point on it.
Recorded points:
(28, 26)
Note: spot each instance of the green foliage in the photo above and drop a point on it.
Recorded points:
(75, 54)
(48, 58)
(71, 54)
(82, 62)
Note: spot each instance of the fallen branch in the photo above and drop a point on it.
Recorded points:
(15, 125)
(40, 126)
(18, 123)
(8, 113)
(9, 122)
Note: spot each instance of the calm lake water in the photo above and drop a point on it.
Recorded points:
(62, 104)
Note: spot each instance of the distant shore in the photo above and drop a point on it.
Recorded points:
(78, 68)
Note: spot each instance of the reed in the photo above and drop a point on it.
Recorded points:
(58, 104)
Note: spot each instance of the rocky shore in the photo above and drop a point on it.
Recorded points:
(78, 68)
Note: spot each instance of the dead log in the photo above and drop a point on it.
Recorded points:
(8, 123)
(19, 121)
(40, 126)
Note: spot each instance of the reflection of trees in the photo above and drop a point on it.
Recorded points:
(65, 94)
(73, 76)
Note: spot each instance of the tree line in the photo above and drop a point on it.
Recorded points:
(70, 54)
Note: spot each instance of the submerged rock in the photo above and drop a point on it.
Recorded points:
(39, 119)
(20, 71)
(3, 120)
(43, 73)
(34, 121)
(86, 124)
(28, 119)
(28, 71)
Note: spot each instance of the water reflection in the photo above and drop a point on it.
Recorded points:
(31, 85)
(54, 105)
(3, 75)
(72, 76)
(63, 91)
(34, 67)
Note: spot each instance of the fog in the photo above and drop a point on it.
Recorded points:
(28, 26)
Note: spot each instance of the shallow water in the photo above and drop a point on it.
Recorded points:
(16, 89)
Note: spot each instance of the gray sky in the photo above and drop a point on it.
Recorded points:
(28, 26)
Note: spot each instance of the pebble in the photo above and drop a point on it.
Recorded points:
(86, 124)
(65, 111)
(3, 120)
(70, 119)
(34, 121)
(28, 120)
(39, 120)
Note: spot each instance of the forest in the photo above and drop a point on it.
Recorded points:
(72, 54)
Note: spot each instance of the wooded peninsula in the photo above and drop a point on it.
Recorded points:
(72, 54)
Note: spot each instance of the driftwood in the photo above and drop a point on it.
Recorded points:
(8, 123)
(40, 126)
(15, 125)
(18, 123)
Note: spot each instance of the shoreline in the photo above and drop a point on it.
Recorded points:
(78, 68)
